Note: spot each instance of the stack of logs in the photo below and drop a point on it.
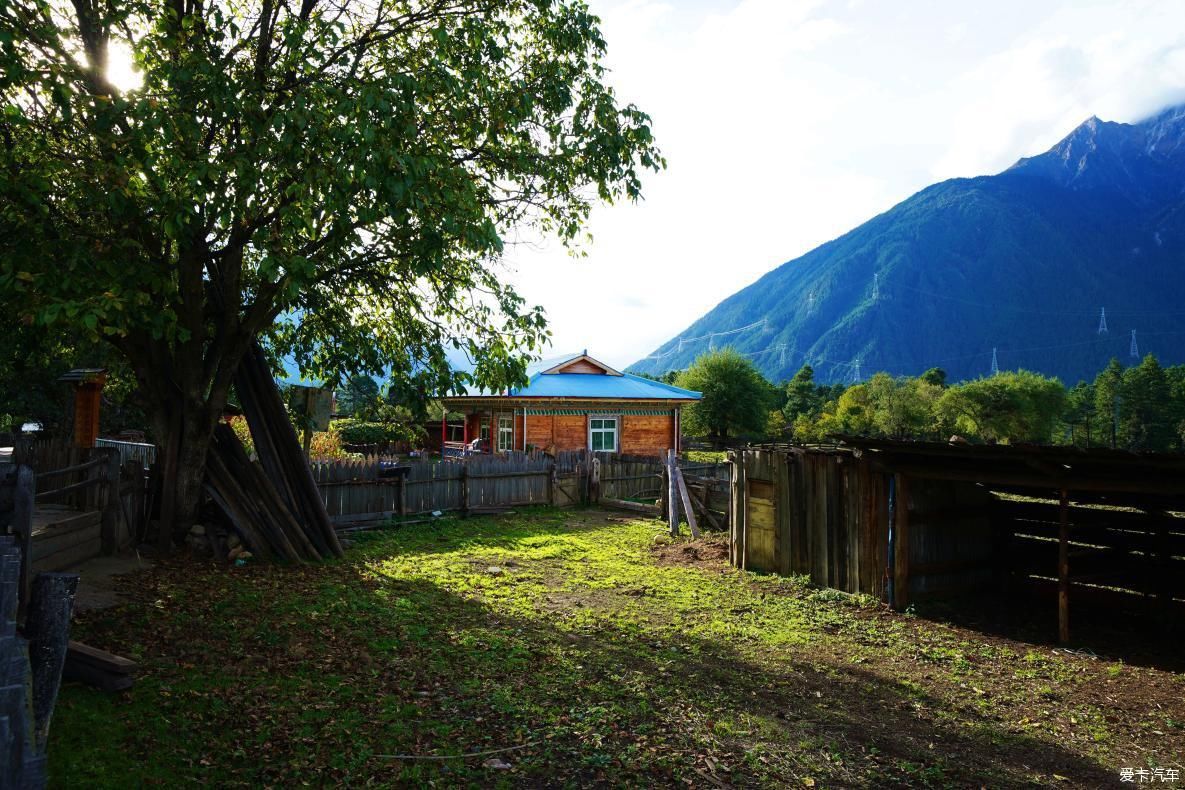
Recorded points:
(274, 504)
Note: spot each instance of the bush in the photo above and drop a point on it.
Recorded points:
(324, 445)
(327, 444)
(360, 432)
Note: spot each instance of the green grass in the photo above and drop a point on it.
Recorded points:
(564, 634)
(706, 456)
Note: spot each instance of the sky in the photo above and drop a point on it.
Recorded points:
(786, 123)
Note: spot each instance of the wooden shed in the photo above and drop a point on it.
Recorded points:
(905, 521)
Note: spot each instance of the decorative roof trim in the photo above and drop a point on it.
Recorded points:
(582, 358)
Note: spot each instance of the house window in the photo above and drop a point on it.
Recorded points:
(505, 434)
(602, 434)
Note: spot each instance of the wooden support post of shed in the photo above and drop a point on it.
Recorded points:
(443, 431)
(1164, 556)
(901, 543)
(1063, 568)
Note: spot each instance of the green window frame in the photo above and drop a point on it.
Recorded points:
(602, 433)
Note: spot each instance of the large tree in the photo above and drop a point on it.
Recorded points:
(735, 398)
(338, 177)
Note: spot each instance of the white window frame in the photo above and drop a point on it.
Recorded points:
(616, 431)
(505, 429)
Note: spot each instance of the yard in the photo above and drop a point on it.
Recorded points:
(578, 647)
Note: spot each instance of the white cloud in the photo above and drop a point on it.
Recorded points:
(788, 122)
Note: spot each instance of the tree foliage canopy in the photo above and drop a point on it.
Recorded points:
(351, 166)
(735, 396)
(339, 176)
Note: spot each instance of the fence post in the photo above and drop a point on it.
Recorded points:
(464, 489)
(664, 485)
(672, 495)
(110, 502)
(133, 470)
(594, 480)
(402, 495)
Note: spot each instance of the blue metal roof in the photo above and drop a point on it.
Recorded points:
(593, 385)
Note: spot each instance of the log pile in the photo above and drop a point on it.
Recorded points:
(274, 504)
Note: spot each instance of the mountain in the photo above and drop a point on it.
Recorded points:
(1022, 262)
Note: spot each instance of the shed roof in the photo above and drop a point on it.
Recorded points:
(1099, 470)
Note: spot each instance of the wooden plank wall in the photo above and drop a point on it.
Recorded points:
(647, 434)
(570, 431)
(951, 545)
(829, 518)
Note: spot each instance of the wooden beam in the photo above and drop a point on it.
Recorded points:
(636, 507)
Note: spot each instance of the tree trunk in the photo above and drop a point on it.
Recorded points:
(185, 430)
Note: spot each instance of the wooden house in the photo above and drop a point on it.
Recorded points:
(578, 403)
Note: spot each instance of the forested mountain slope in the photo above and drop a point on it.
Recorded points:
(1021, 262)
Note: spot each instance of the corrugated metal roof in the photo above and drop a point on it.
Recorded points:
(625, 386)
(591, 385)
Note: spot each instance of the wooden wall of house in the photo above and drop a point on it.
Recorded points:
(540, 430)
(571, 431)
(639, 434)
(647, 434)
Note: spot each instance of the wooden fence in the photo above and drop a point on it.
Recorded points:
(377, 487)
(131, 451)
(381, 487)
(88, 503)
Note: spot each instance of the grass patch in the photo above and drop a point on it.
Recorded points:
(566, 639)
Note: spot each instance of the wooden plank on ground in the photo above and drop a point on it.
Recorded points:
(637, 507)
(98, 668)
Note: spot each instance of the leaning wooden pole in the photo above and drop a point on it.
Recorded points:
(285, 465)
